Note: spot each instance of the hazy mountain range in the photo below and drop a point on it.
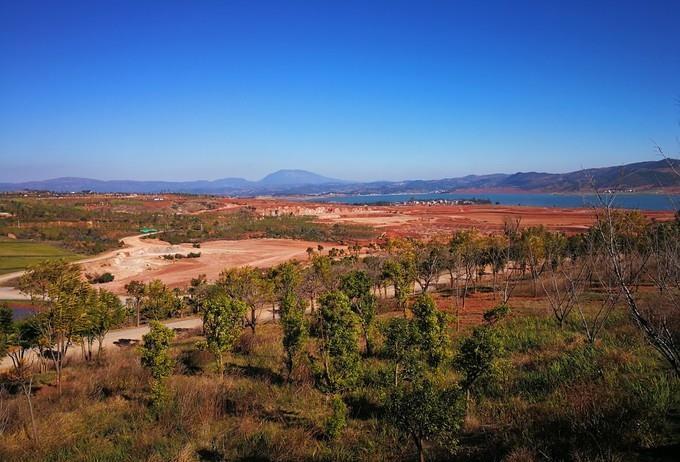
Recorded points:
(642, 176)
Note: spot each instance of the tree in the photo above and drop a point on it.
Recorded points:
(357, 286)
(398, 273)
(495, 255)
(477, 355)
(638, 252)
(106, 312)
(464, 248)
(37, 280)
(58, 288)
(287, 277)
(222, 325)
(338, 342)
(533, 242)
(17, 340)
(318, 277)
(430, 260)
(158, 302)
(294, 329)
(247, 285)
(156, 358)
(136, 291)
(425, 411)
(563, 283)
(6, 328)
(430, 326)
(198, 292)
(401, 341)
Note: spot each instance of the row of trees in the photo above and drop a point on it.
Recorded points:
(70, 312)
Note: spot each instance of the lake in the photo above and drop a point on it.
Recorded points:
(628, 200)
(20, 309)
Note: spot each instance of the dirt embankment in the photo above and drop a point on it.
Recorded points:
(424, 220)
(143, 259)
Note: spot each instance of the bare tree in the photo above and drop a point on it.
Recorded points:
(562, 287)
(641, 253)
(596, 273)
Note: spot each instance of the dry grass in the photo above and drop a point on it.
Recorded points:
(547, 381)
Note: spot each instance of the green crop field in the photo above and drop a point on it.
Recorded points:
(18, 255)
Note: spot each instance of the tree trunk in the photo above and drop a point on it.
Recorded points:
(253, 320)
(27, 391)
(369, 345)
(419, 446)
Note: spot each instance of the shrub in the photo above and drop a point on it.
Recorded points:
(338, 419)
(102, 278)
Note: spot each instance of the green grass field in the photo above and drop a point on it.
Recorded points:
(17, 255)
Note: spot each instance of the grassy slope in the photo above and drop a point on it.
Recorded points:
(552, 395)
(16, 255)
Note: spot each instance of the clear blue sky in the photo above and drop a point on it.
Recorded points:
(351, 89)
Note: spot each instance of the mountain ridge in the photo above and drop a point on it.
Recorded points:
(640, 176)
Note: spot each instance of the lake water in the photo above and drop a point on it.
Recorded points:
(20, 310)
(628, 201)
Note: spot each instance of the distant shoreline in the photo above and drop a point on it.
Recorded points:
(627, 200)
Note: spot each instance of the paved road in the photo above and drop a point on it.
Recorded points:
(131, 334)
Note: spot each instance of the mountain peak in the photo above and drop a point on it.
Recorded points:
(296, 177)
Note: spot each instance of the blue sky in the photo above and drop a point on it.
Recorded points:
(360, 90)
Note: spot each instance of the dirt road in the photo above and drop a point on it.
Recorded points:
(122, 338)
(11, 293)
(143, 259)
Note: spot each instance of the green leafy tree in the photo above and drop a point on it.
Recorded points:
(17, 341)
(338, 342)
(249, 286)
(396, 273)
(425, 411)
(430, 325)
(287, 278)
(135, 291)
(294, 329)
(158, 302)
(401, 343)
(58, 289)
(477, 355)
(222, 325)
(106, 312)
(198, 292)
(357, 286)
(155, 356)
(36, 282)
(318, 277)
(465, 249)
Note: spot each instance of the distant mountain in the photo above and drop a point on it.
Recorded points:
(271, 184)
(641, 176)
(297, 178)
